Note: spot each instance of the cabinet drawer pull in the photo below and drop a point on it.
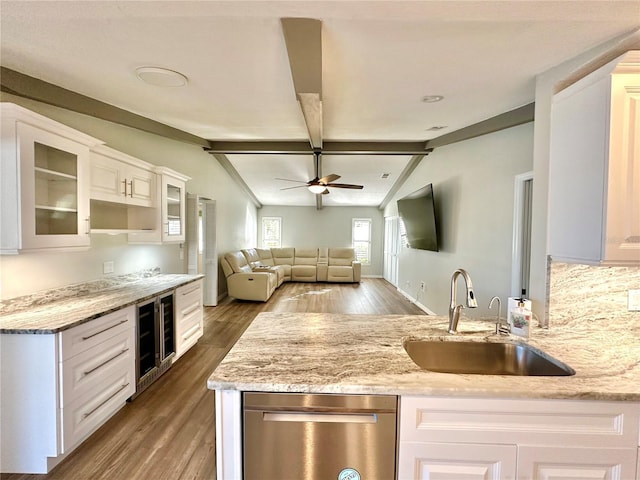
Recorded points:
(191, 332)
(125, 186)
(88, 414)
(87, 372)
(104, 330)
(191, 291)
(130, 189)
(88, 220)
(190, 309)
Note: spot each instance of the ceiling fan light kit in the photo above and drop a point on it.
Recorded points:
(317, 188)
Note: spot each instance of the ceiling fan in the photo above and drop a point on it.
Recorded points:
(319, 185)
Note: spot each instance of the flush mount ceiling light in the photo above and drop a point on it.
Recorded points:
(161, 77)
(432, 98)
(316, 188)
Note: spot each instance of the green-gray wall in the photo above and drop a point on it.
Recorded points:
(328, 227)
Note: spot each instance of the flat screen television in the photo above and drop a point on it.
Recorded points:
(418, 214)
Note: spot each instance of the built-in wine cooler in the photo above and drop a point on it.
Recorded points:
(156, 340)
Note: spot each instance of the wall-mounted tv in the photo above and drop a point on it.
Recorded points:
(418, 214)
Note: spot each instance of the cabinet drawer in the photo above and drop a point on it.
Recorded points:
(531, 422)
(94, 332)
(88, 412)
(188, 297)
(86, 371)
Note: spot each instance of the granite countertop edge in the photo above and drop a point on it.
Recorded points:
(45, 319)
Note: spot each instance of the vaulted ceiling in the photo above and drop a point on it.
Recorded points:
(378, 62)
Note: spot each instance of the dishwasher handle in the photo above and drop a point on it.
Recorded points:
(320, 417)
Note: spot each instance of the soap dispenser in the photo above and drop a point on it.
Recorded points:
(521, 319)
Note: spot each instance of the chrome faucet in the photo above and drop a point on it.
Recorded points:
(454, 310)
(501, 328)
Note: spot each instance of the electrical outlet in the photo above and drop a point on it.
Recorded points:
(108, 267)
(634, 300)
(422, 286)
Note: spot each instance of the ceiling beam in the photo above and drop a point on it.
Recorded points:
(22, 85)
(303, 39)
(512, 118)
(235, 176)
(329, 147)
(408, 170)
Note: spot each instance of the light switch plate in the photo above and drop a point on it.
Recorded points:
(634, 300)
(107, 267)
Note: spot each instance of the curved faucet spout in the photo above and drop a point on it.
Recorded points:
(454, 308)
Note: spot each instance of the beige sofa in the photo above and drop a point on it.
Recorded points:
(255, 273)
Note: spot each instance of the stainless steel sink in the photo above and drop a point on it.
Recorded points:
(484, 358)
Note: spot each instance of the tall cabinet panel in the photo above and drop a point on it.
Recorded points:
(45, 183)
(594, 173)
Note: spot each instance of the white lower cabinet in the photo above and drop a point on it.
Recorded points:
(445, 461)
(189, 316)
(56, 389)
(565, 463)
(468, 438)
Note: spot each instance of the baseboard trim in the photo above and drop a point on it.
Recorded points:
(415, 301)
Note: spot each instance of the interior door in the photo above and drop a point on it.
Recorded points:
(202, 245)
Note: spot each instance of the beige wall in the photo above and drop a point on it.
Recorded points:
(236, 214)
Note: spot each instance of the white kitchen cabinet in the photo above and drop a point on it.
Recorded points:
(56, 389)
(44, 175)
(443, 461)
(189, 316)
(546, 439)
(566, 463)
(594, 179)
(171, 214)
(120, 178)
(123, 193)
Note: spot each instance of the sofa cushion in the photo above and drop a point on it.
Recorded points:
(282, 256)
(306, 256)
(338, 273)
(341, 256)
(266, 258)
(238, 262)
(253, 259)
(303, 273)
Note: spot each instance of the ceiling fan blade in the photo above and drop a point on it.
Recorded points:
(329, 178)
(303, 38)
(297, 186)
(345, 185)
(289, 180)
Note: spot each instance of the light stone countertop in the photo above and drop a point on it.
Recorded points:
(364, 354)
(59, 309)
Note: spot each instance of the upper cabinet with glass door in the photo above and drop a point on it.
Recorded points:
(172, 195)
(44, 174)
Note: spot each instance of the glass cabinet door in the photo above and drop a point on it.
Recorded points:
(174, 209)
(55, 200)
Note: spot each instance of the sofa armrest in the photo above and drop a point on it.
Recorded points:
(250, 286)
(322, 271)
(357, 271)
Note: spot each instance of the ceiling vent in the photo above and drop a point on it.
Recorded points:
(385, 175)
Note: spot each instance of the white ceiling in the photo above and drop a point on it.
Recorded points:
(379, 59)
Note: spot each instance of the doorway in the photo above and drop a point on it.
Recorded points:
(202, 257)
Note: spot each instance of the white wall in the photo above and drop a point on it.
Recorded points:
(329, 227)
(236, 214)
(473, 185)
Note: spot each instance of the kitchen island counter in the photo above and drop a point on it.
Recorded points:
(364, 354)
(60, 309)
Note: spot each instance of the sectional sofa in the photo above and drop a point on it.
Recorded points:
(255, 273)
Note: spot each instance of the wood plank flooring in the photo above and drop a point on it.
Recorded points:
(168, 432)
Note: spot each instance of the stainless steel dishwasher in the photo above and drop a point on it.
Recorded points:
(319, 437)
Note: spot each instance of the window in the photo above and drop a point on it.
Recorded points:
(271, 232)
(361, 235)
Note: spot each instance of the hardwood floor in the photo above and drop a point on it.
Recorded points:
(168, 432)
